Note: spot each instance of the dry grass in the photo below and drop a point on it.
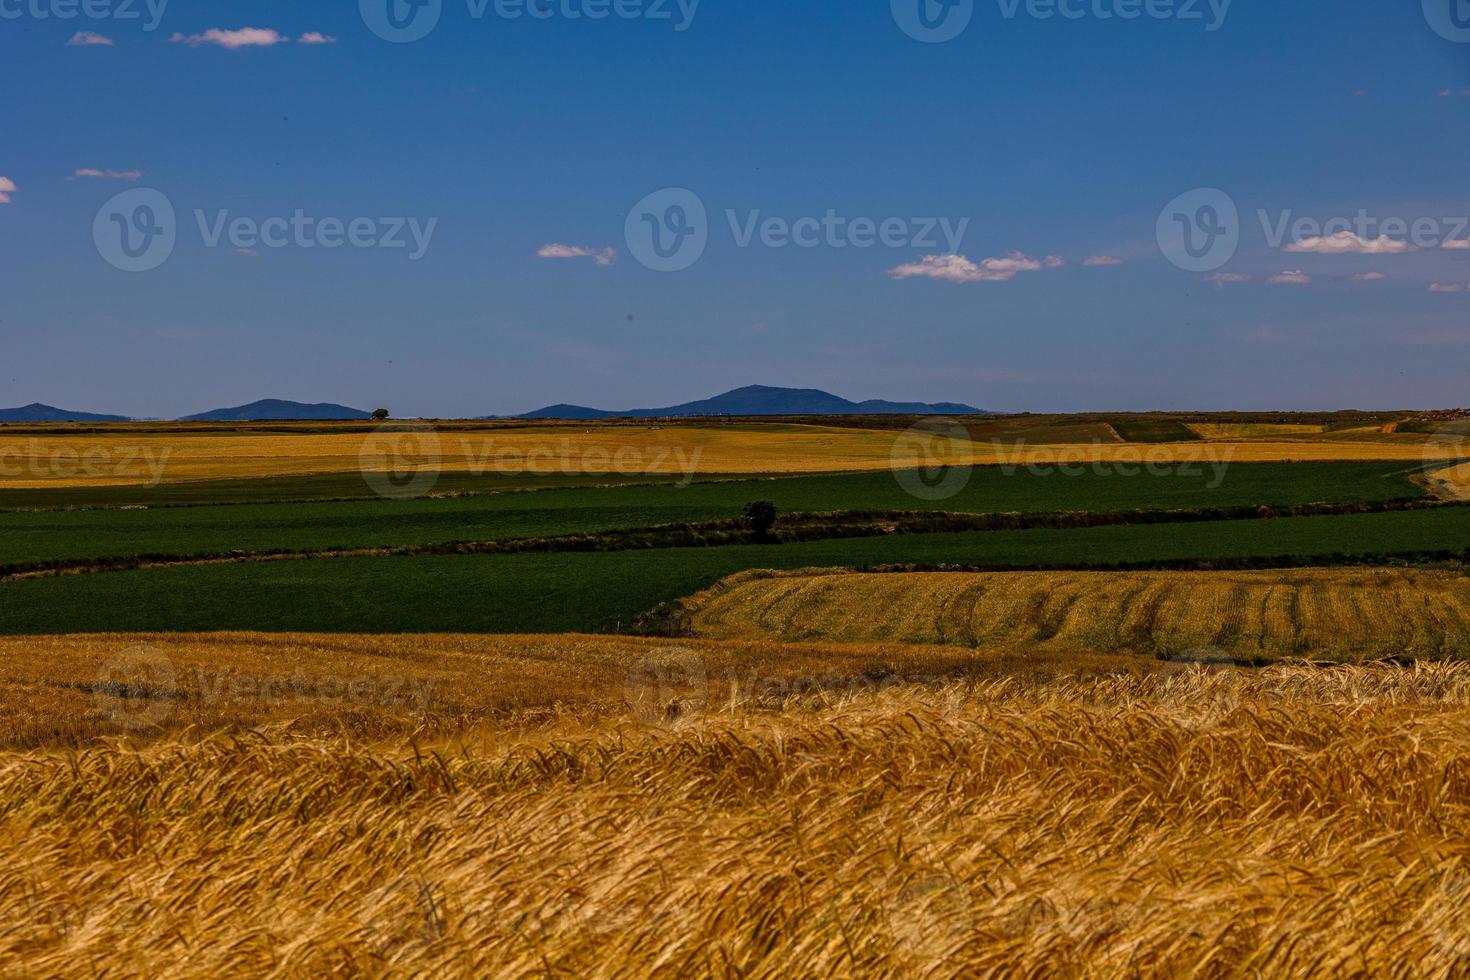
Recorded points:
(1254, 430)
(133, 455)
(1292, 822)
(1346, 614)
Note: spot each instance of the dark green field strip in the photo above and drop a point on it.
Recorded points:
(51, 536)
(600, 591)
(291, 489)
(1155, 430)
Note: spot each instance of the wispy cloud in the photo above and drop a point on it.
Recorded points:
(1223, 279)
(1369, 277)
(245, 37)
(1447, 287)
(1292, 277)
(1346, 243)
(958, 269)
(316, 37)
(1101, 260)
(1449, 93)
(89, 39)
(107, 174)
(604, 257)
(1456, 243)
(7, 188)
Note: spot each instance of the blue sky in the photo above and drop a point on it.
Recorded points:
(1052, 137)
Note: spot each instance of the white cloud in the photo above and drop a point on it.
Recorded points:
(7, 188)
(89, 39)
(1456, 243)
(245, 37)
(604, 258)
(1369, 277)
(1223, 279)
(958, 269)
(1346, 243)
(316, 37)
(1447, 287)
(1101, 260)
(107, 174)
(1292, 277)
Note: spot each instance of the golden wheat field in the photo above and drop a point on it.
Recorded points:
(70, 690)
(1347, 614)
(140, 455)
(1294, 821)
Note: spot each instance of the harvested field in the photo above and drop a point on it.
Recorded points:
(1290, 822)
(1338, 614)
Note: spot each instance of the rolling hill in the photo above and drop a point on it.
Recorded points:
(275, 410)
(47, 413)
(761, 400)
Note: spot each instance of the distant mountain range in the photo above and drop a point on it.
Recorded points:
(48, 413)
(761, 400)
(752, 400)
(275, 410)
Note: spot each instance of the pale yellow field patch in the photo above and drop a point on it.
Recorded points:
(1236, 430)
(1317, 613)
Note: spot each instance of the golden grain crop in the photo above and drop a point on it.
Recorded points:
(71, 690)
(1319, 613)
(137, 455)
(1206, 823)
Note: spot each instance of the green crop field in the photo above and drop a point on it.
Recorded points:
(45, 536)
(603, 591)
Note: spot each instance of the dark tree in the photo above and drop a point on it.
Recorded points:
(380, 414)
(760, 517)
